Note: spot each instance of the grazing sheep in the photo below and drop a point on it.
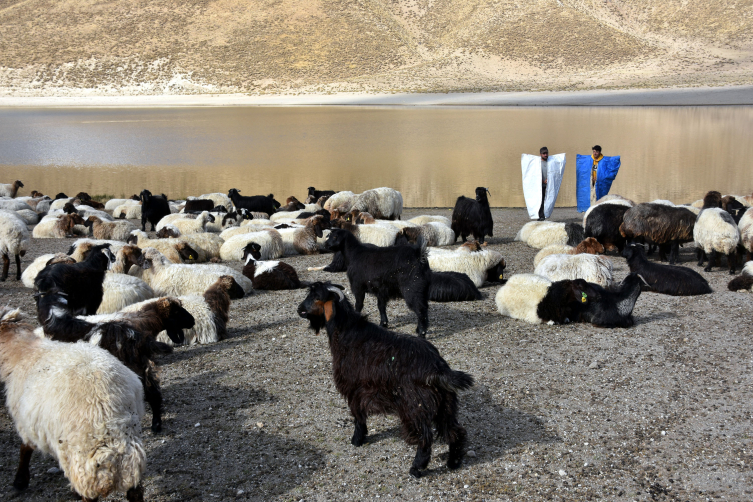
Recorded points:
(427, 218)
(540, 234)
(171, 279)
(536, 299)
(665, 279)
(210, 311)
(268, 275)
(603, 222)
(109, 230)
(342, 201)
(269, 239)
(746, 233)
(10, 190)
(665, 226)
(81, 282)
(744, 281)
(480, 265)
(592, 268)
(258, 203)
(391, 272)
(380, 371)
(57, 227)
(383, 203)
(77, 403)
(715, 232)
(617, 200)
(128, 212)
(175, 250)
(452, 287)
(14, 241)
(473, 217)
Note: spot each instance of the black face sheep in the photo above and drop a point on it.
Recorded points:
(452, 287)
(665, 279)
(93, 430)
(153, 208)
(473, 217)
(292, 204)
(10, 189)
(255, 203)
(81, 282)
(378, 371)
(744, 281)
(198, 205)
(715, 231)
(386, 272)
(131, 337)
(269, 275)
(536, 299)
(603, 223)
(666, 226)
(317, 194)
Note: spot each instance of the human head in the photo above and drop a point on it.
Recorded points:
(544, 152)
(596, 150)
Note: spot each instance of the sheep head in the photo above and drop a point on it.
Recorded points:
(252, 249)
(231, 287)
(712, 199)
(186, 252)
(336, 240)
(18, 184)
(175, 318)
(321, 303)
(589, 245)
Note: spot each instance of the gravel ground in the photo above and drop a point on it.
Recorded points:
(660, 411)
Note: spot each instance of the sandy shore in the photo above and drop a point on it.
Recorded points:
(695, 96)
(660, 411)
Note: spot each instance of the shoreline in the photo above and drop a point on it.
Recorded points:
(694, 96)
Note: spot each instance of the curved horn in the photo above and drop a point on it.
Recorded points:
(336, 290)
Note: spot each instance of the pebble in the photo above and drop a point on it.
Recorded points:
(197, 424)
(239, 493)
(259, 425)
(53, 470)
(471, 453)
(594, 365)
(562, 473)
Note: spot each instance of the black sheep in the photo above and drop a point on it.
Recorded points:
(386, 272)
(316, 194)
(666, 279)
(198, 205)
(611, 308)
(473, 217)
(603, 223)
(270, 275)
(379, 371)
(81, 282)
(453, 287)
(255, 203)
(665, 226)
(153, 208)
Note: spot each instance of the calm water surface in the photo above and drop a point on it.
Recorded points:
(430, 155)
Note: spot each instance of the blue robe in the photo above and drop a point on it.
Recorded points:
(605, 174)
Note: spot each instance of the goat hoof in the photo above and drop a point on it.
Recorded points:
(454, 463)
(732, 272)
(707, 269)
(20, 484)
(157, 427)
(415, 472)
(383, 324)
(357, 441)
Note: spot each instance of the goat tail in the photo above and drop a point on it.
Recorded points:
(160, 348)
(454, 381)
(740, 282)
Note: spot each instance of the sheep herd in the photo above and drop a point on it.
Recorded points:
(129, 297)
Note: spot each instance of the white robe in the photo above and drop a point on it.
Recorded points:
(531, 167)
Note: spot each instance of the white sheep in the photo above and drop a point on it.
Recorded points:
(14, 205)
(14, 240)
(245, 228)
(60, 203)
(593, 268)
(716, 232)
(174, 249)
(519, 298)
(218, 199)
(118, 230)
(78, 249)
(550, 250)
(269, 239)
(193, 225)
(121, 290)
(170, 218)
(59, 227)
(429, 218)
(342, 201)
(76, 402)
(378, 235)
(30, 217)
(479, 266)
(382, 203)
(206, 244)
(539, 234)
(284, 216)
(128, 211)
(111, 204)
(746, 231)
(171, 279)
(86, 211)
(32, 270)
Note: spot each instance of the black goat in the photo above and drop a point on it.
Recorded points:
(611, 308)
(379, 371)
(666, 279)
(452, 287)
(134, 347)
(473, 217)
(153, 208)
(81, 282)
(316, 194)
(386, 272)
(255, 203)
(603, 223)
(198, 205)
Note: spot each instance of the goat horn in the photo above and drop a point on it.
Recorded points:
(338, 291)
(644, 280)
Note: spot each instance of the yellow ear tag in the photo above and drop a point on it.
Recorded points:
(583, 297)
(500, 276)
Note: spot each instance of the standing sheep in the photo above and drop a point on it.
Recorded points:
(715, 232)
(746, 233)
(77, 403)
(153, 208)
(665, 226)
(383, 203)
(473, 217)
(10, 190)
(14, 241)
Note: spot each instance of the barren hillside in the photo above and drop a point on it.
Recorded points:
(73, 47)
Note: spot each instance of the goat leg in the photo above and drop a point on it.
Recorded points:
(135, 494)
(18, 268)
(423, 455)
(359, 433)
(153, 396)
(382, 299)
(731, 261)
(360, 295)
(457, 446)
(21, 482)
(6, 266)
(712, 259)
(674, 253)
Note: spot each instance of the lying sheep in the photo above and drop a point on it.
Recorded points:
(744, 282)
(665, 279)
(589, 245)
(383, 203)
(539, 234)
(175, 250)
(270, 241)
(480, 265)
(14, 241)
(341, 201)
(57, 227)
(303, 240)
(430, 234)
(207, 245)
(14, 205)
(268, 275)
(112, 204)
(194, 226)
(109, 230)
(28, 216)
(592, 268)
(93, 430)
(127, 212)
(32, 270)
(429, 218)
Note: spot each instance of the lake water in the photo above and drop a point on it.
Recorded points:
(431, 155)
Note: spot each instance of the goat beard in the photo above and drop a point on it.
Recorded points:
(316, 323)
